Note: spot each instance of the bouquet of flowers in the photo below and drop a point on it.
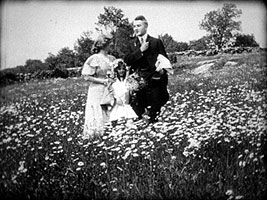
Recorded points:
(135, 82)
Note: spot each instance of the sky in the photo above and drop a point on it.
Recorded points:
(32, 29)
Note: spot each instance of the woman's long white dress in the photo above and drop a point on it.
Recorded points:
(96, 116)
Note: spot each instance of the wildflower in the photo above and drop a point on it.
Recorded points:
(56, 142)
(135, 154)
(119, 168)
(251, 155)
(229, 192)
(80, 163)
(22, 169)
(52, 164)
(255, 160)
(242, 163)
(103, 164)
(7, 140)
(30, 135)
(126, 155)
(46, 157)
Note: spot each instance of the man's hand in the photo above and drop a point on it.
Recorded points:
(161, 71)
(144, 46)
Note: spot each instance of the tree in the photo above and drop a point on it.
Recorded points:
(243, 40)
(198, 45)
(66, 58)
(32, 65)
(51, 61)
(113, 21)
(169, 43)
(182, 46)
(221, 24)
(121, 38)
(83, 47)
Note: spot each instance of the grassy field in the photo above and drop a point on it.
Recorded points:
(210, 141)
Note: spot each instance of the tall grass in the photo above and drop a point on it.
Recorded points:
(210, 142)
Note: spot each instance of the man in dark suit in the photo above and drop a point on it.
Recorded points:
(141, 55)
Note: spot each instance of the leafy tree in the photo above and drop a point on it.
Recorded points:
(66, 58)
(243, 40)
(32, 65)
(169, 43)
(198, 45)
(51, 61)
(182, 46)
(122, 37)
(221, 24)
(113, 21)
(83, 47)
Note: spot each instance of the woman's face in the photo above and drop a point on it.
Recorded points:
(139, 28)
(108, 46)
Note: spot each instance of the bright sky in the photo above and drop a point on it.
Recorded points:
(32, 29)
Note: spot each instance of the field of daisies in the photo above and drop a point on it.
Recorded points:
(209, 143)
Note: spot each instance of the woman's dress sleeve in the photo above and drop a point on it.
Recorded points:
(90, 65)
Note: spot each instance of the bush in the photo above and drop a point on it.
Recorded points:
(172, 57)
(59, 73)
(7, 77)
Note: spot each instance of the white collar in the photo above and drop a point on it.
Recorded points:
(144, 37)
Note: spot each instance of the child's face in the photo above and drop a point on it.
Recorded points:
(121, 71)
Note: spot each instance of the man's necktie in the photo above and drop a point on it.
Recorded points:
(141, 40)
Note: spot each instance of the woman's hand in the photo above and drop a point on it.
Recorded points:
(119, 102)
(108, 81)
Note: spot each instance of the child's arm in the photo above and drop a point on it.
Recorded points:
(127, 97)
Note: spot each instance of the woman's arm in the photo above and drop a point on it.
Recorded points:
(96, 80)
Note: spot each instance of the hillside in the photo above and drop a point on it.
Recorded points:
(210, 141)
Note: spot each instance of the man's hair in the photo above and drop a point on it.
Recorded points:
(141, 18)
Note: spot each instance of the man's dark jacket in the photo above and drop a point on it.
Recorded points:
(144, 63)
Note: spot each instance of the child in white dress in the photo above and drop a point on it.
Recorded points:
(122, 109)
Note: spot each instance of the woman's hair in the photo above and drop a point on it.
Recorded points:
(100, 43)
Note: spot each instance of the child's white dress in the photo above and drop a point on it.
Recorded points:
(122, 108)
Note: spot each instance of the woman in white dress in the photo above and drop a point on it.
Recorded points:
(122, 108)
(95, 69)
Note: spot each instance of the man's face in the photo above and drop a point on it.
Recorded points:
(139, 27)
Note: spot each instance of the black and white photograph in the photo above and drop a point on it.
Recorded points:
(133, 100)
